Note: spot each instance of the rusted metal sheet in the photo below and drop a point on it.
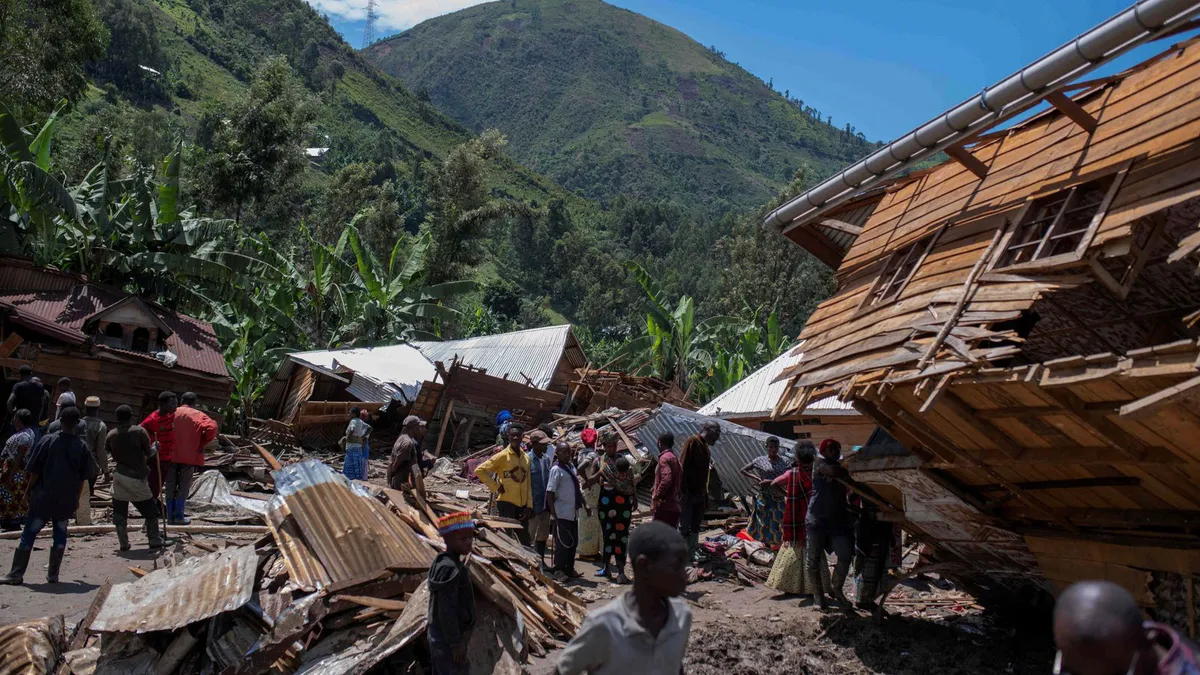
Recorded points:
(32, 646)
(304, 570)
(170, 598)
(349, 532)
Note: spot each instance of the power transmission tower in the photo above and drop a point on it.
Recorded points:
(369, 29)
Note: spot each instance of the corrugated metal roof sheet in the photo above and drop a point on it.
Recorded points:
(58, 304)
(31, 646)
(349, 532)
(734, 450)
(532, 353)
(172, 597)
(757, 395)
(378, 374)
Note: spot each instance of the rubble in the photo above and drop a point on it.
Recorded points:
(335, 585)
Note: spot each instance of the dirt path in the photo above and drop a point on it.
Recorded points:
(90, 561)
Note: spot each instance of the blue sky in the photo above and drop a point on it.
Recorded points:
(883, 66)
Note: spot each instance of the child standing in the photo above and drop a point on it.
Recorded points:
(646, 630)
(451, 597)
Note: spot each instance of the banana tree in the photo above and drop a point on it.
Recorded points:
(673, 345)
(395, 301)
(34, 205)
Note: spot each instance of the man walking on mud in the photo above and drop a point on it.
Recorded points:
(55, 472)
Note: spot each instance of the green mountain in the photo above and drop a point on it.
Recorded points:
(191, 59)
(608, 102)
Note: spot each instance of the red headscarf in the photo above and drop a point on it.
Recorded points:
(588, 436)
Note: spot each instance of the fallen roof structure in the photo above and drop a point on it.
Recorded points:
(751, 403)
(1028, 332)
(543, 358)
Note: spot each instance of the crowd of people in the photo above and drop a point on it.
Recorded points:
(55, 454)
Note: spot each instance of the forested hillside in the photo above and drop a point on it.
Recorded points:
(237, 160)
(608, 102)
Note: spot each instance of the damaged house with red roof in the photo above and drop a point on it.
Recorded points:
(111, 344)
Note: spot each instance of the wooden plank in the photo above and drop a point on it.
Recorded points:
(968, 161)
(996, 436)
(1072, 484)
(1149, 405)
(1072, 110)
(10, 345)
(840, 226)
(1096, 422)
(377, 603)
(1018, 411)
(437, 449)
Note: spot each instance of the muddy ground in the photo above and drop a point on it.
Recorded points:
(753, 631)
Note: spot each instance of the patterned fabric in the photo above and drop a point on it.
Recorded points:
(789, 574)
(354, 466)
(766, 523)
(12, 492)
(795, 506)
(356, 431)
(768, 470)
(614, 479)
(24, 437)
(453, 522)
(616, 511)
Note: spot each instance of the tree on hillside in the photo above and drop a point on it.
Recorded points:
(761, 271)
(461, 209)
(133, 48)
(45, 44)
(256, 149)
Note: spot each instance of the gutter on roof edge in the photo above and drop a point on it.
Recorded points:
(1140, 23)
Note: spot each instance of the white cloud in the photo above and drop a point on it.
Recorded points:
(394, 15)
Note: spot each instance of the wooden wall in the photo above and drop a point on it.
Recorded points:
(849, 430)
(119, 381)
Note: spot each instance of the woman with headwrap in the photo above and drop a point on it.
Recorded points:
(789, 574)
(589, 526)
(768, 504)
(618, 501)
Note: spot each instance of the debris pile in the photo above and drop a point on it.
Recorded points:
(336, 586)
(594, 390)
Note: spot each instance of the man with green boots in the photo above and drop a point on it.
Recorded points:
(130, 447)
(56, 469)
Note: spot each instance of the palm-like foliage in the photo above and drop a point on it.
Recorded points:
(672, 347)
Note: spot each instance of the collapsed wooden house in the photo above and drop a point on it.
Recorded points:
(530, 371)
(111, 344)
(593, 390)
(1023, 319)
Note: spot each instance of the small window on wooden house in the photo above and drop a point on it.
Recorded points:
(1059, 224)
(141, 340)
(898, 271)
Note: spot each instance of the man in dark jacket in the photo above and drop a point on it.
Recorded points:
(451, 596)
(26, 394)
(55, 471)
(696, 460)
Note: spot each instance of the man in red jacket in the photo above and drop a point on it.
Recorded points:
(193, 431)
(160, 424)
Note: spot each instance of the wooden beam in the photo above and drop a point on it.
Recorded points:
(1074, 484)
(997, 436)
(437, 449)
(10, 344)
(840, 226)
(1149, 405)
(1072, 110)
(1018, 411)
(970, 162)
(1098, 424)
(894, 411)
(1126, 518)
(1072, 456)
